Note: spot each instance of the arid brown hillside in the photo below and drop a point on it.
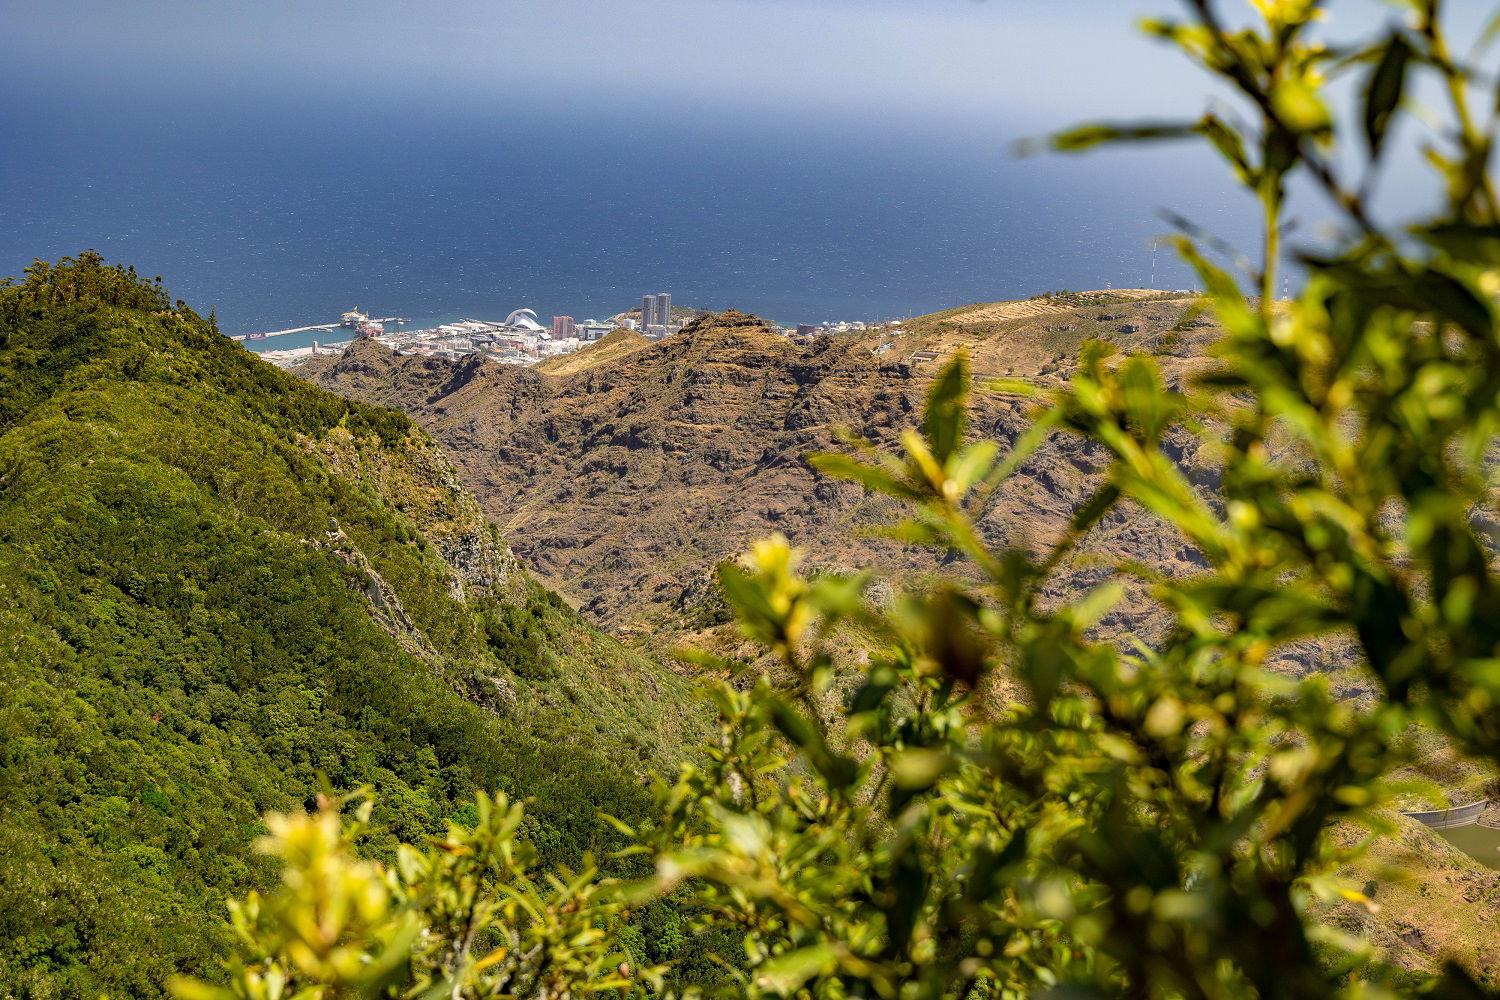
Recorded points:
(624, 477)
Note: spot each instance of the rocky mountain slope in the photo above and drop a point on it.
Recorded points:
(623, 475)
(222, 589)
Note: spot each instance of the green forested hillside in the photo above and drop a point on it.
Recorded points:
(217, 584)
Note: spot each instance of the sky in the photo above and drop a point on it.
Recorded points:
(945, 61)
(921, 69)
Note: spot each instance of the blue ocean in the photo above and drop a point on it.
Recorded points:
(285, 214)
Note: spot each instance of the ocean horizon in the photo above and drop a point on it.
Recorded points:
(279, 216)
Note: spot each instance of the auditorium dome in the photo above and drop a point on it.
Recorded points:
(524, 319)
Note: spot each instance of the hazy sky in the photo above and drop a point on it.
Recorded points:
(943, 64)
(942, 61)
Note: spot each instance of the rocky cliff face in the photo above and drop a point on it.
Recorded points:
(623, 482)
(417, 480)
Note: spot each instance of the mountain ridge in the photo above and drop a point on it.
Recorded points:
(689, 448)
(222, 588)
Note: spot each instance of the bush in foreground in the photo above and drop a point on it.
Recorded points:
(1153, 823)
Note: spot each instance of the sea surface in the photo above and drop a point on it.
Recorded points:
(283, 216)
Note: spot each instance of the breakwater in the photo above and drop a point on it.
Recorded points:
(309, 329)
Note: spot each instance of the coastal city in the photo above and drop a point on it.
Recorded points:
(519, 339)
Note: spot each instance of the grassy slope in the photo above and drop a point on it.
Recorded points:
(611, 347)
(1040, 336)
(185, 643)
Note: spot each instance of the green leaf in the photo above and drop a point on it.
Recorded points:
(1458, 302)
(919, 768)
(911, 882)
(1383, 92)
(1086, 516)
(1026, 445)
(872, 478)
(1013, 387)
(1088, 136)
(972, 464)
(1228, 143)
(746, 596)
(945, 417)
(787, 972)
(1299, 106)
(880, 683)
(910, 531)
(1149, 407)
(618, 824)
(1426, 291)
(1479, 243)
(838, 596)
(1229, 301)
(1096, 603)
(1490, 33)
(1220, 380)
(837, 770)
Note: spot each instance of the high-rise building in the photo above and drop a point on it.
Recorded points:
(562, 327)
(656, 313)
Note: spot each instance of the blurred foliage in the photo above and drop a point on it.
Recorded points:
(1149, 823)
(458, 917)
(1155, 822)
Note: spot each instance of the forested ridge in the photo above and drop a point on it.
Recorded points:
(221, 587)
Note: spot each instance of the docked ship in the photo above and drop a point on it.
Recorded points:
(353, 319)
(369, 329)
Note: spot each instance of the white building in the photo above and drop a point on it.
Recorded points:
(525, 319)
